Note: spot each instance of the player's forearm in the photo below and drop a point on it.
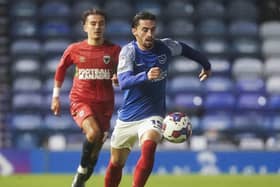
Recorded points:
(128, 80)
(196, 56)
(59, 77)
(58, 84)
(60, 73)
(56, 88)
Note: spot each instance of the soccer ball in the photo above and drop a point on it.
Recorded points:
(176, 127)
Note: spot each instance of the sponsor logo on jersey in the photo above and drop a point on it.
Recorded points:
(94, 74)
(106, 59)
(162, 59)
(82, 59)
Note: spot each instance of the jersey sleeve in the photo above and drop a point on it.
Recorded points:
(126, 58)
(179, 48)
(64, 63)
(195, 55)
(174, 46)
(126, 76)
(116, 57)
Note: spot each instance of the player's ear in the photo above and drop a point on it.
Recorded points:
(133, 30)
(85, 28)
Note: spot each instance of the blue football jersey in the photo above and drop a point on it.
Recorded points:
(143, 97)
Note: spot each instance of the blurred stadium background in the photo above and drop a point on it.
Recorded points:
(235, 114)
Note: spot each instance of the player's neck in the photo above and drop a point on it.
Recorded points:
(96, 42)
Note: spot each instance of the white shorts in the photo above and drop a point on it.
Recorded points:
(125, 134)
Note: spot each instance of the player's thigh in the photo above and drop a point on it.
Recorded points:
(90, 124)
(103, 113)
(91, 118)
(80, 111)
(91, 128)
(124, 135)
(150, 129)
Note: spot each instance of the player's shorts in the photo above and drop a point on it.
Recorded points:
(101, 111)
(126, 134)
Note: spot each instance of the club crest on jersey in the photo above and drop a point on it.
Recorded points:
(106, 59)
(82, 59)
(162, 59)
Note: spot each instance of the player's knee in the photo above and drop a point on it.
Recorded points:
(151, 135)
(117, 162)
(93, 135)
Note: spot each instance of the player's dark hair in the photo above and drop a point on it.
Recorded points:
(93, 11)
(142, 16)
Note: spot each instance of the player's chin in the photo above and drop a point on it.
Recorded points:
(149, 44)
(97, 36)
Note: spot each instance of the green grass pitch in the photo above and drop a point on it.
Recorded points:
(51, 180)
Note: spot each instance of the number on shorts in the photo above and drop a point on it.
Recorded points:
(157, 123)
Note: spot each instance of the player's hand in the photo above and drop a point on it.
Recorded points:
(115, 80)
(55, 107)
(204, 74)
(154, 73)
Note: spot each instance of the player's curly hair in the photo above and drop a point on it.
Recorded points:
(143, 15)
(93, 11)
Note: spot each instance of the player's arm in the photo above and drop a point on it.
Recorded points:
(197, 56)
(55, 105)
(60, 73)
(114, 78)
(128, 79)
(180, 48)
(126, 76)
